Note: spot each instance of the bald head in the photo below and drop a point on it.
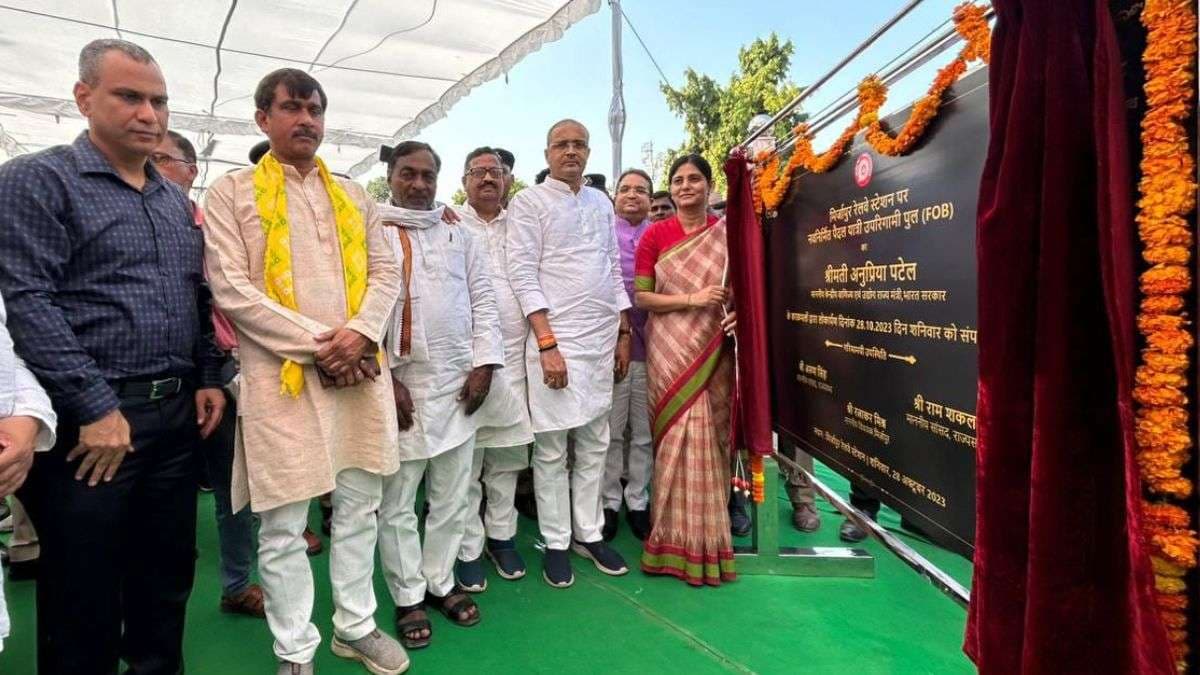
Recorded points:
(563, 123)
(567, 152)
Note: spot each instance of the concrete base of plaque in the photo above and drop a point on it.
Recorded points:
(765, 556)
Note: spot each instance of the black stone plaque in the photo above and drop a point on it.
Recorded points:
(872, 313)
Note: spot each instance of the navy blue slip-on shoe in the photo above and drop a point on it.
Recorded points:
(471, 575)
(556, 568)
(606, 560)
(503, 553)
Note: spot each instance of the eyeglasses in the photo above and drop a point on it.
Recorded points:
(635, 189)
(162, 159)
(493, 171)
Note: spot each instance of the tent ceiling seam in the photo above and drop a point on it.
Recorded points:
(207, 148)
(242, 52)
(189, 121)
(385, 38)
(117, 20)
(341, 25)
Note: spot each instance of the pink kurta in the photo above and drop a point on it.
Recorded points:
(290, 450)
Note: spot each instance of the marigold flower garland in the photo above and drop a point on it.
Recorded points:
(772, 185)
(1168, 197)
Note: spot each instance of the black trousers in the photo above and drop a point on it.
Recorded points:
(118, 559)
(862, 501)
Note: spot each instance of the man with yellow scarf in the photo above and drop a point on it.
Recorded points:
(297, 261)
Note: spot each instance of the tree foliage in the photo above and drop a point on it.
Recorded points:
(378, 189)
(460, 195)
(715, 116)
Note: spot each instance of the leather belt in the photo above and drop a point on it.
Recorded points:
(153, 390)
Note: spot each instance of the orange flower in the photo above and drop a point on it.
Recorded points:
(1179, 549)
(1166, 280)
(1177, 488)
(1148, 323)
(1177, 255)
(1172, 603)
(1161, 304)
(1166, 515)
(1151, 395)
(1170, 442)
(1167, 363)
(1174, 620)
(1170, 341)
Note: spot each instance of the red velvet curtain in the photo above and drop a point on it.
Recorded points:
(747, 276)
(1062, 578)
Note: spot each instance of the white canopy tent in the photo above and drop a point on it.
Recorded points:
(390, 67)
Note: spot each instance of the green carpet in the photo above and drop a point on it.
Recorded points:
(894, 623)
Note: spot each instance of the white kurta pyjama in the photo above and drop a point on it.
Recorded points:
(21, 395)
(562, 255)
(455, 328)
(501, 444)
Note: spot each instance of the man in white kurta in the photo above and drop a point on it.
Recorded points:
(564, 269)
(339, 429)
(27, 425)
(443, 345)
(505, 431)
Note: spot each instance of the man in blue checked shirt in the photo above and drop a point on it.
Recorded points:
(100, 265)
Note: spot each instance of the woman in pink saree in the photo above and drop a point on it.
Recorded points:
(679, 273)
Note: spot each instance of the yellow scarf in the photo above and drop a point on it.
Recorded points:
(270, 196)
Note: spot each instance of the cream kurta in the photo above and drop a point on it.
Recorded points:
(504, 417)
(562, 257)
(289, 450)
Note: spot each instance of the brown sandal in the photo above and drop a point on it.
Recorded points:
(455, 605)
(407, 622)
(249, 602)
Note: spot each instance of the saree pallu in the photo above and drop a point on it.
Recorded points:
(690, 383)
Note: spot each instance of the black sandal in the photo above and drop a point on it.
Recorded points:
(456, 603)
(406, 623)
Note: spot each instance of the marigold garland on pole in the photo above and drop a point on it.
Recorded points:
(1168, 198)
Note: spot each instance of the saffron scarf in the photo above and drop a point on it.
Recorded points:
(270, 197)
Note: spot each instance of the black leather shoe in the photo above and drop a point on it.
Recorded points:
(639, 523)
(739, 521)
(851, 533)
(610, 525)
(23, 570)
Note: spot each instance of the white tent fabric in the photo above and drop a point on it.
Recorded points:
(389, 67)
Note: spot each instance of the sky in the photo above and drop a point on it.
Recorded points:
(573, 77)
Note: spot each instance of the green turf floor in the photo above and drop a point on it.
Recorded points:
(894, 623)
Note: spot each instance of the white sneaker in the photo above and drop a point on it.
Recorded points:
(380, 654)
(289, 668)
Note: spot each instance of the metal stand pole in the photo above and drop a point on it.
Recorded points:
(616, 111)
